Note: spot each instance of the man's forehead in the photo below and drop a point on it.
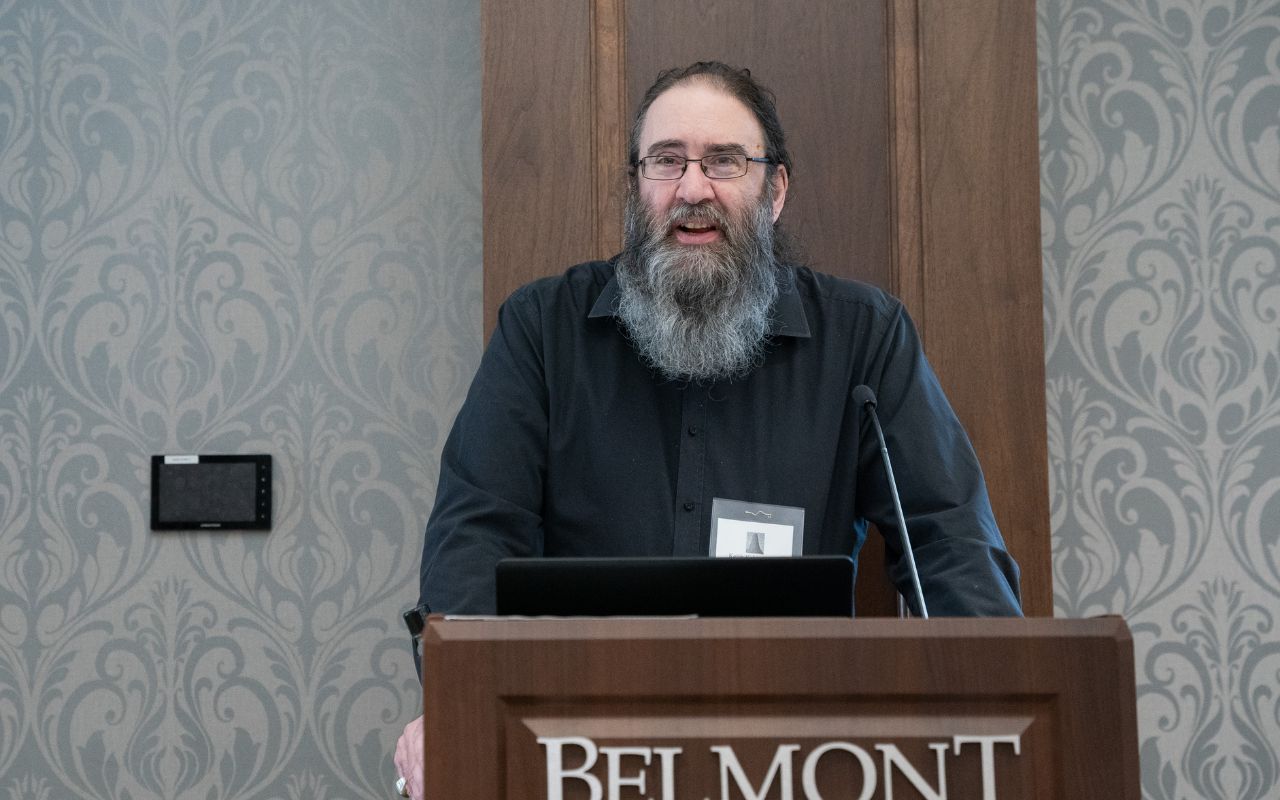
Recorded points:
(700, 115)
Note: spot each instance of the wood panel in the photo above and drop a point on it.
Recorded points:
(537, 134)
(913, 127)
(612, 124)
(980, 305)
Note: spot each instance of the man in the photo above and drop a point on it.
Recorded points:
(616, 401)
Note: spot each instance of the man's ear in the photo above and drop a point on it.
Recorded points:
(780, 183)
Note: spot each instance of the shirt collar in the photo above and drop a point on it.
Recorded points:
(789, 318)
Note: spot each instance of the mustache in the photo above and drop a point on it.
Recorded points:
(702, 212)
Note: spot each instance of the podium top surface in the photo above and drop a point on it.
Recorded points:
(514, 629)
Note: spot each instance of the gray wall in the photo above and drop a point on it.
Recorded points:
(1160, 170)
(225, 227)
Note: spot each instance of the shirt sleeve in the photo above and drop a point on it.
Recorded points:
(489, 498)
(964, 567)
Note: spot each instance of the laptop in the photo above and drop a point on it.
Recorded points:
(800, 586)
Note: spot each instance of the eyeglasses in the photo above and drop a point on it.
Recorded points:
(720, 166)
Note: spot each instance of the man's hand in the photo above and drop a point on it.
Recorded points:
(409, 757)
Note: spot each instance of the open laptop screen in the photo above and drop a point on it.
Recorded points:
(805, 586)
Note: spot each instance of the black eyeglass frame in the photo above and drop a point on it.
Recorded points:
(639, 165)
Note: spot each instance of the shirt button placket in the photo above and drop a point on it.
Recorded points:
(690, 473)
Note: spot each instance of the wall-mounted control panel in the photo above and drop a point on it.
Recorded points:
(203, 492)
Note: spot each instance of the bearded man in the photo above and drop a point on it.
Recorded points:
(616, 401)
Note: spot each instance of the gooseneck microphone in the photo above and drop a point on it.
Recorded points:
(864, 397)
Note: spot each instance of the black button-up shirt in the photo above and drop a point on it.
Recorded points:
(569, 445)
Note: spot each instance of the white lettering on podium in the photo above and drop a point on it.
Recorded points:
(557, 774)
(667, 765)
(780, 768)
(987, 747)
(809, 774)
(894, 757)
(614, 780)
(779, 772)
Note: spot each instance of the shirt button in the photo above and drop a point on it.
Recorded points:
(693, 430)
(688, 506)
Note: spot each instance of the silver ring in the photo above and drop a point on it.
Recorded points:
(402, 787)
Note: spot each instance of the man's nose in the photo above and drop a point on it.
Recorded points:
(695, 187)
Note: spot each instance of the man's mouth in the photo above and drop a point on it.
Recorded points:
(696, 232)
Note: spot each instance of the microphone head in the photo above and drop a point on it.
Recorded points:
(863, 396)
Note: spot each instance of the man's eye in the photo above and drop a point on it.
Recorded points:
(667, 161)
(722, 160)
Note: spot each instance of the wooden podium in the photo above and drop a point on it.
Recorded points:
(794, 709)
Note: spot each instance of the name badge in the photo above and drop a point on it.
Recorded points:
(755, 529)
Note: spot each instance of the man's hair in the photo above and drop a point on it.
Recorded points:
(735, 82)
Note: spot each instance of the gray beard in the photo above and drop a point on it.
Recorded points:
(698, 313)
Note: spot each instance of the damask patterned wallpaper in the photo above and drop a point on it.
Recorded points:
(1160, 186)
(225, 226)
